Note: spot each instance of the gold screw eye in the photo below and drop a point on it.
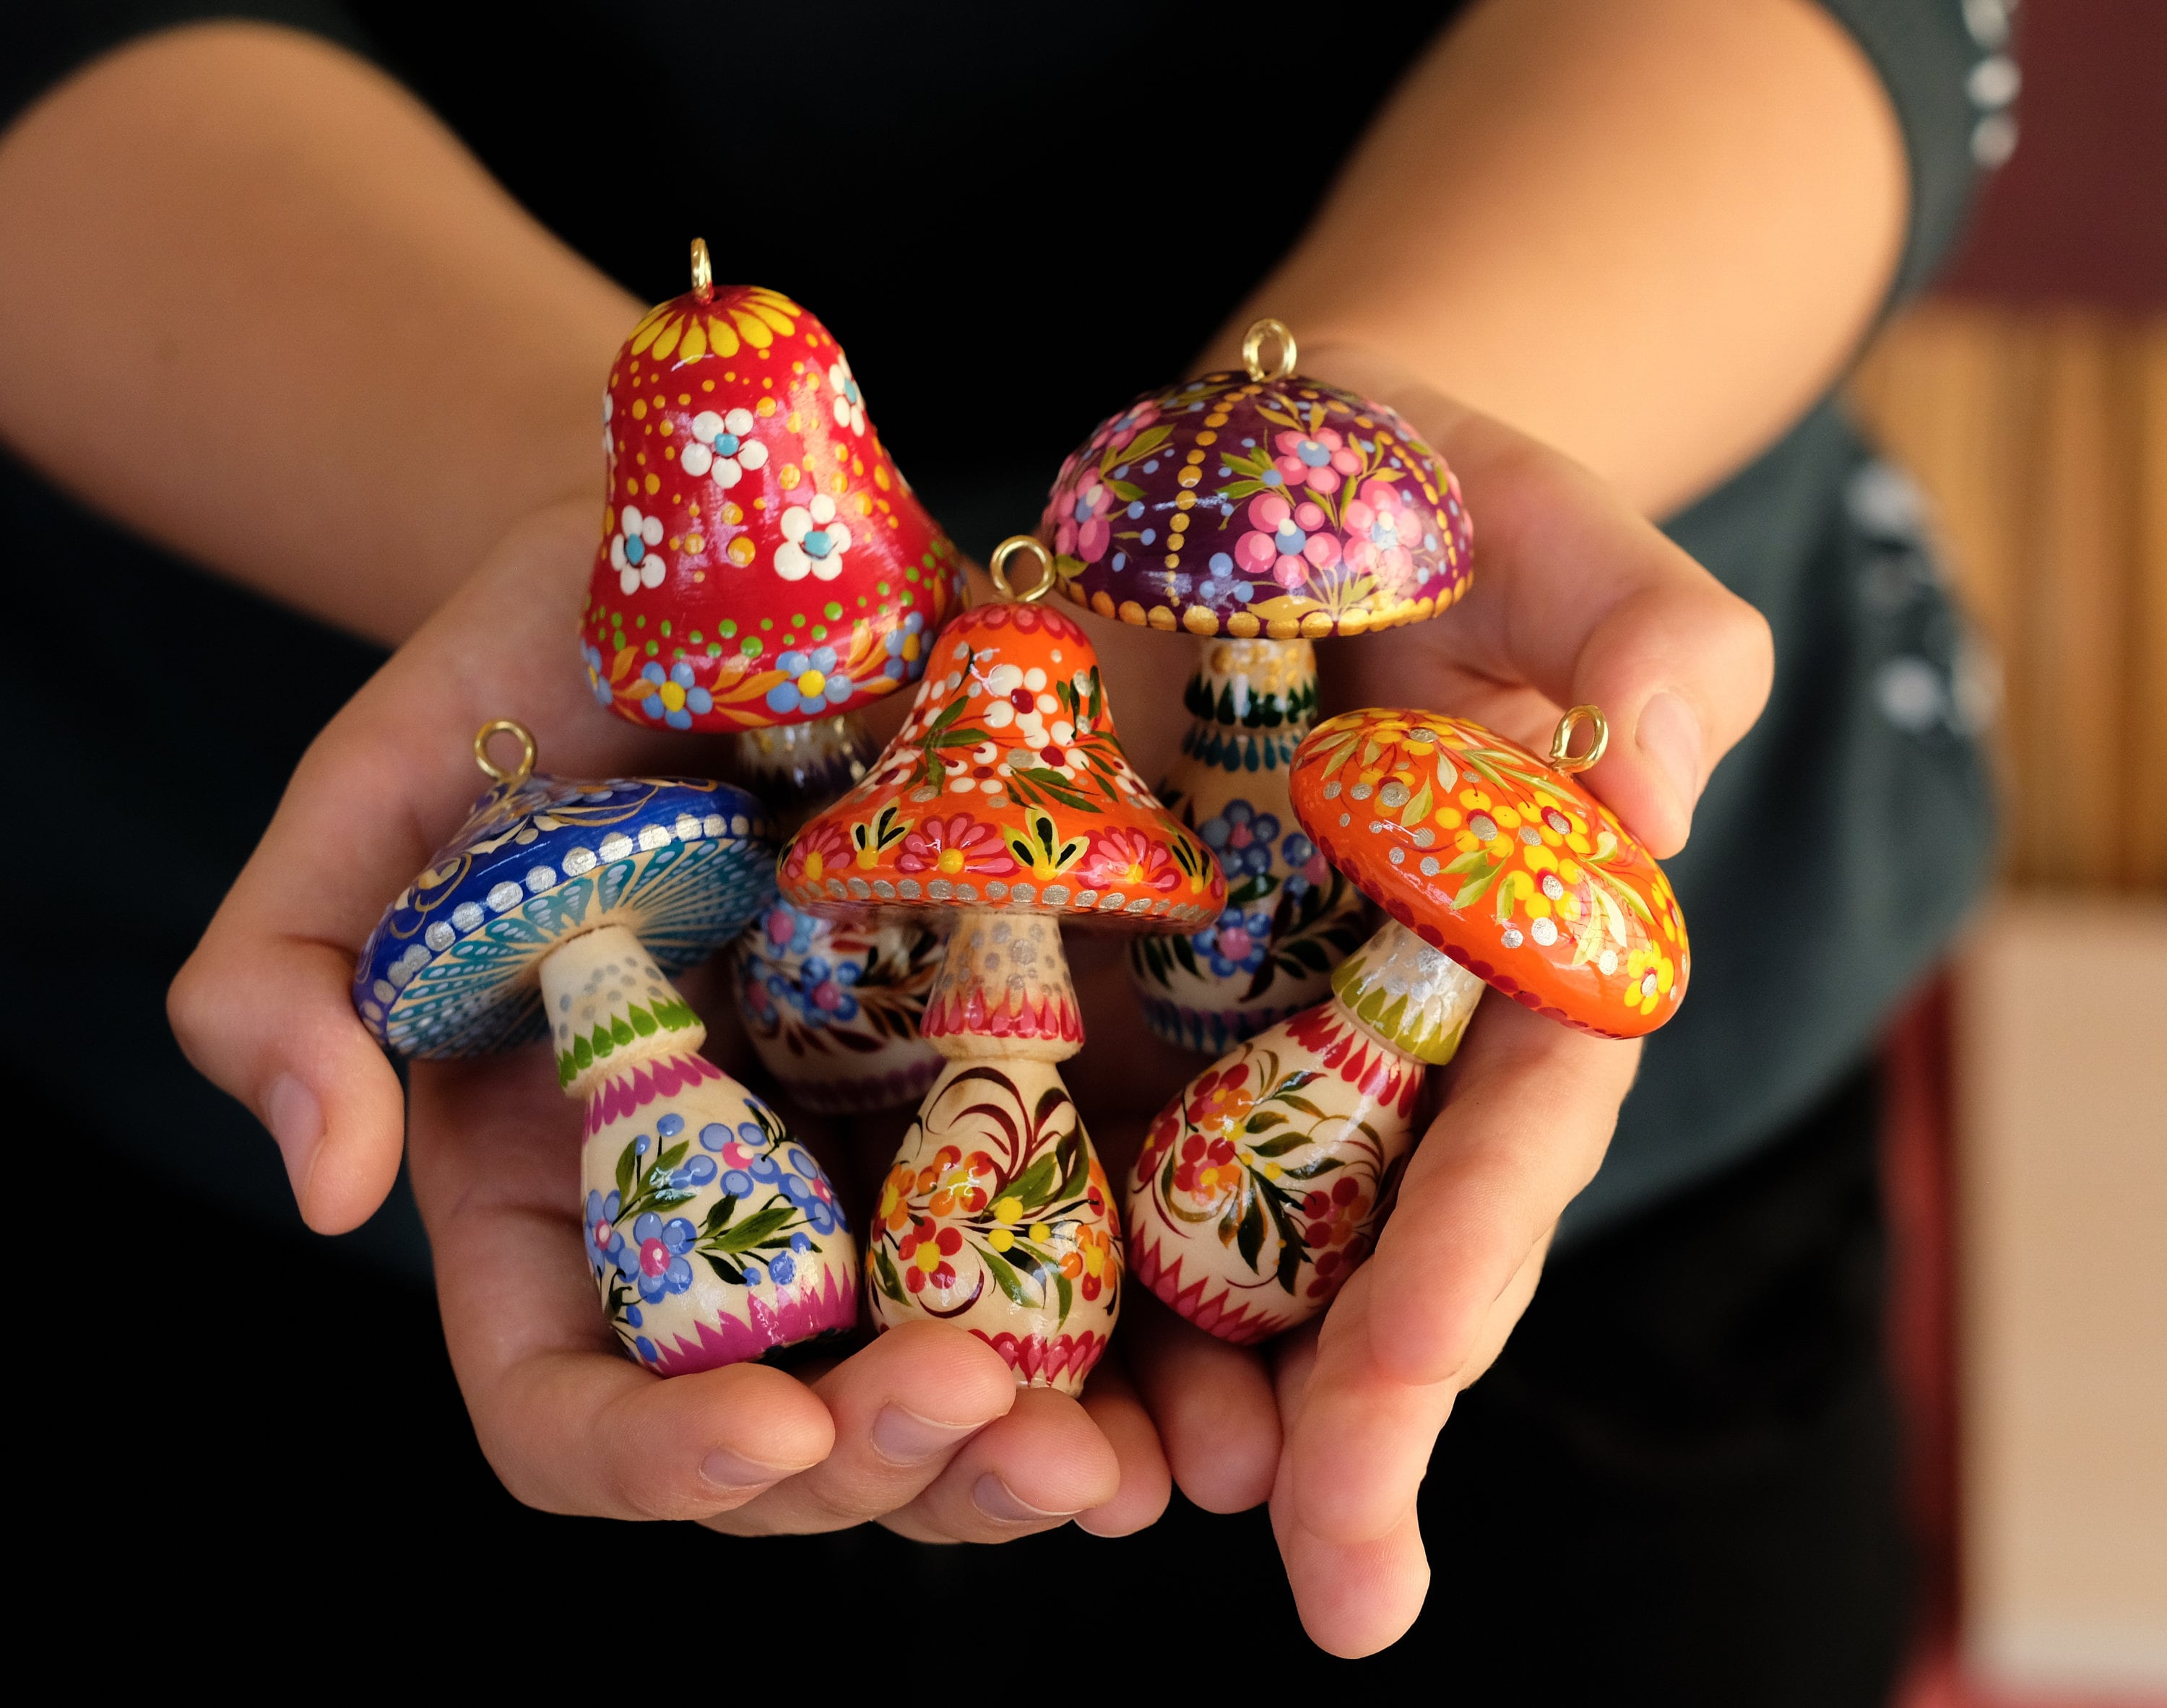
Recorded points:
(1561, 756)
(1023, 546)
(495, 773)
(1252, 350)
(703, 270)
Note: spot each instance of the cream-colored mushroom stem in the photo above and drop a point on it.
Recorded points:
(711, 1238)
(1273, 953)
(1260, 1188)
(1409, 998)
(997, 1216)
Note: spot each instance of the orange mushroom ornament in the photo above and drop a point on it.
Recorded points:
(1006, 802)
(1261, 1187)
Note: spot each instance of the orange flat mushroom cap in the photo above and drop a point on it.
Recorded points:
(1507, 864)
(1008, 789)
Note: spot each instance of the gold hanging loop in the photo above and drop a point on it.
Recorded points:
(1027, 545)
(1252, 350)
(495, 773)
(1561, 755)
(704, 271)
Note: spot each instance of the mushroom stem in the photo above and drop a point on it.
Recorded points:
(679, 1161)
(1287, 921)
(833, 1008)
(1260, 1186)
(997, 1214)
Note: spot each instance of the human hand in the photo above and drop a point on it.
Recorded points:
(1576, 599)
(924, 1430)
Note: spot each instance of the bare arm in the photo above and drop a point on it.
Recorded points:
(258, 304)
(1648, 235)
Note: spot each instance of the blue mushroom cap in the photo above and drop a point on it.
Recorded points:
(453, 968)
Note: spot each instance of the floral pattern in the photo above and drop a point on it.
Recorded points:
(698, 1217)
(1508, 866)
(1007, 786)
(997, 1216)
(753, 514)
(1289, 918)
(834, 1008)
(1281, 509)
(724, 446)
(1259, 1188)
(632, 551)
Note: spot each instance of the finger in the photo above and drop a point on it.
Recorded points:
(903, 1408)
(1212, 1405)
(1033, 1470)
(568, 1423)
(1358, 1451)
(1354, 1598)
(1582, 599)
(1146, 1485)
(262, 1007)
(270, 1019)
(1529, 1114)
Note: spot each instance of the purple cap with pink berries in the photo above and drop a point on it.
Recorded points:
(1277, 507)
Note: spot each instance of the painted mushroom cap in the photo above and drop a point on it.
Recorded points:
(1278, 507)
(762, 562)
(453, 968)
(1500, 859)
(1008, 789)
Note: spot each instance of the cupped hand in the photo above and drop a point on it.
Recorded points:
(923, 1430)
(1575, 599)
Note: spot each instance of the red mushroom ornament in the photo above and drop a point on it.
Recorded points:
(1260, 1187)
(1006, 803)
(764, 569)
(1257, 511)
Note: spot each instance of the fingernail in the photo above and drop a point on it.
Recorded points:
(1670, 736)
(296, 1121)
(729, 1470)
(1001, 1503)
(903, 1437)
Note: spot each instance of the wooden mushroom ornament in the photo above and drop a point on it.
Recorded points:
(1260, 1187)
(559, 910)
(1259, 512)
(764, 569)
(1006, 804)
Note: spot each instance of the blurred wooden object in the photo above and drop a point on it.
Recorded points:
(2060, 1040)
(2040, 435)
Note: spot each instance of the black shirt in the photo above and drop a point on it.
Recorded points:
(979, 183)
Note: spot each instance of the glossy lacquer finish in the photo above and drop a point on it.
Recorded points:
(1257, 510)
(712, 1236)
(1262, 1185)
(1006, 800)
(1289, 918)
(555, 911)
(832, 1007)
(761, 560)
(1274, 507)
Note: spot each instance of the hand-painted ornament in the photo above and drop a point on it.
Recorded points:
(1007, 800)
(1261, 1187)
(762, 562)
(765, 569)
(559, 910)
(1255, 510)
(834, 1006)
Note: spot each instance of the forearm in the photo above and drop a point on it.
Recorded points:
(1648, 235)
(256, 301)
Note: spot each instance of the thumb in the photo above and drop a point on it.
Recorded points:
(269, 1019)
